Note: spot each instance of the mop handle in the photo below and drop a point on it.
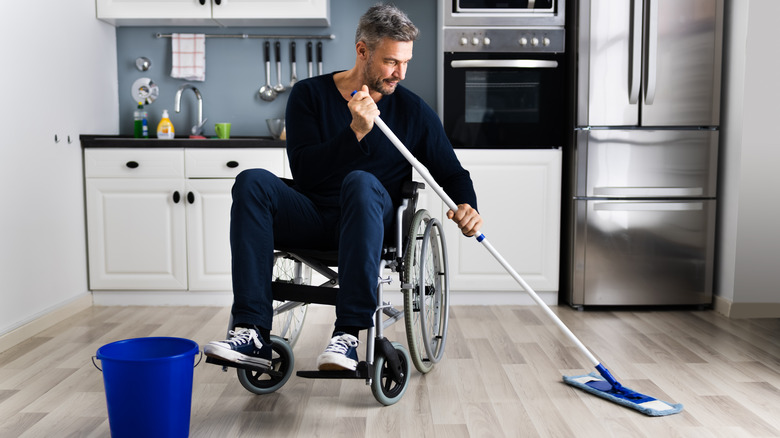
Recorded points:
(483, 240)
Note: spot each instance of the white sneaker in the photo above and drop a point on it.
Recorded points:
(340, 354)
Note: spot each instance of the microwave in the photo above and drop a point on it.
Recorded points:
(504, 12)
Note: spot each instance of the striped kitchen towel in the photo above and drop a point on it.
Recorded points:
(189, 56)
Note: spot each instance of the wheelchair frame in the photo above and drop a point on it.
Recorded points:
(386, 367)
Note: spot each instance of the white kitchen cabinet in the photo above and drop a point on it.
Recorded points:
(210, 175)
(159, 219)
(519, 196)
(215, 12)
(135, 219)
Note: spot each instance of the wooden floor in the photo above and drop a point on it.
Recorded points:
(501, 376)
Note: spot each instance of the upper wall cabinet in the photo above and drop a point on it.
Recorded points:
(292, 13)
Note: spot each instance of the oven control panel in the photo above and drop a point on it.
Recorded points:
(508, 40)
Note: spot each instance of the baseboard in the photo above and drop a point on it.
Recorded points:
(225, 298)
(45, 321)
(734, 310)
(163, 298)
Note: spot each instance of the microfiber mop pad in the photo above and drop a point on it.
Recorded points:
(596, 385)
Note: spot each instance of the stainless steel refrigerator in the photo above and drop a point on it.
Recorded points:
(643, 166)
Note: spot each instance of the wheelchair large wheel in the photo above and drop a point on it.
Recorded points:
(288, 322)
(282, 362)
(426, 291)
(386, 389)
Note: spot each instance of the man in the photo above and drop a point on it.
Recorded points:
(348, 179)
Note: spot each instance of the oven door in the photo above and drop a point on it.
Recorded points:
(504, 101)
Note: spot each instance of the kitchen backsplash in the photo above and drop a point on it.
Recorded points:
(235, 68)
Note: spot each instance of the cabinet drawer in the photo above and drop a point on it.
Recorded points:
(227, 163)
(133, 163)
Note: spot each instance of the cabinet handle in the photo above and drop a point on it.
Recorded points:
(218, 2)
(202, 2)
(232, 164)
(132, 164)
(190, 197)
(176, 197)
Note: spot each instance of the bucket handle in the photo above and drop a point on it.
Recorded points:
(101, 369)
(93, 363)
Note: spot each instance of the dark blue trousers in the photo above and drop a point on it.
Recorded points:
(266, 212)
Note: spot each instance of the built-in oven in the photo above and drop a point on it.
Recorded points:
(503, 87)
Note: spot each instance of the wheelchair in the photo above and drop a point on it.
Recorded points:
(416, 251)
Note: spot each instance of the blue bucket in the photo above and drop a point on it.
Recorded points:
(148, 383)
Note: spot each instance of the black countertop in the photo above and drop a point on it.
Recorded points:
(122, 141)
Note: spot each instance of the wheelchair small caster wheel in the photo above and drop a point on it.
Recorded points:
(282, 362)
(387, 388)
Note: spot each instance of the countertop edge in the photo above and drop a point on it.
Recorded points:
(118, 141)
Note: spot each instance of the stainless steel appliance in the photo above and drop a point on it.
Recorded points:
(644, 162)
(502, 73)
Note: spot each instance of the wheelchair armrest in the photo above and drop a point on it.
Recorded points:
(410, 189)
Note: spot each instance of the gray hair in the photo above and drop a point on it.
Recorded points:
(384, 21)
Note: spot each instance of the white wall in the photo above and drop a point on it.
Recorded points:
(58, 78)
(749, 237)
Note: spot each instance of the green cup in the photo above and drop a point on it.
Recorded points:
(223, 130)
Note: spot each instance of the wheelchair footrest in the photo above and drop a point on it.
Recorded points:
(360, 373)
(226, 363)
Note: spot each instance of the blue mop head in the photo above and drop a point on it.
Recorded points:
(596, 385)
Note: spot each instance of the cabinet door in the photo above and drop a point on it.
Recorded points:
(519, 196)
(272, 12)
(142, 11)
(136, 233)
(208, 233)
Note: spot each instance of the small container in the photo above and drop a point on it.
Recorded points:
(165, 127)
(140, 123)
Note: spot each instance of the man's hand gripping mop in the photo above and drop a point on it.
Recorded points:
(601, 384)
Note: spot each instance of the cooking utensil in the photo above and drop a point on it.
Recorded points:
(309, 59)
(293, 74)
(267, 92)
(319, 58)
(279, 87)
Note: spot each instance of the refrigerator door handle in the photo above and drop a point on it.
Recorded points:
(647, 206)
(648, 192)
(635, 57)
(652, 51)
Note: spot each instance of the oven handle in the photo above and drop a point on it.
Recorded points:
(504, 63)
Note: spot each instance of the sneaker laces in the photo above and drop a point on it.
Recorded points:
(243, 336)
(341, 344)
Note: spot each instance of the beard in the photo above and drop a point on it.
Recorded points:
(376, 82)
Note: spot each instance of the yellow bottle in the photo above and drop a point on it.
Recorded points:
(165, 127)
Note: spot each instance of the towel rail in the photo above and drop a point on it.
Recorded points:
(266, 37)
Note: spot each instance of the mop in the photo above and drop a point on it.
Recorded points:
(602, 384)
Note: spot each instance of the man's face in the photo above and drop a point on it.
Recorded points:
(386, 65)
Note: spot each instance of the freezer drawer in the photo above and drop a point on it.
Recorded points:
(643, 252)
(617, 163)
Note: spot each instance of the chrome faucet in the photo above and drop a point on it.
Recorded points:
(198, 128)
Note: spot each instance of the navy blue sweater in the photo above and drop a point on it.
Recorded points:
(322, 148)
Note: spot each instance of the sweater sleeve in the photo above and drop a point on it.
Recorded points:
(437, 154)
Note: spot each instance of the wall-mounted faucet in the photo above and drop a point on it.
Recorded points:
(198, 128)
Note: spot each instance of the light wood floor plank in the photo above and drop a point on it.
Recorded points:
(500, 377)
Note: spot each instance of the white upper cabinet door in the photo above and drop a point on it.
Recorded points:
(215, 12)
(272, 12)
(146, 12)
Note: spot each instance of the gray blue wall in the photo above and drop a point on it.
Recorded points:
(235, 68)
